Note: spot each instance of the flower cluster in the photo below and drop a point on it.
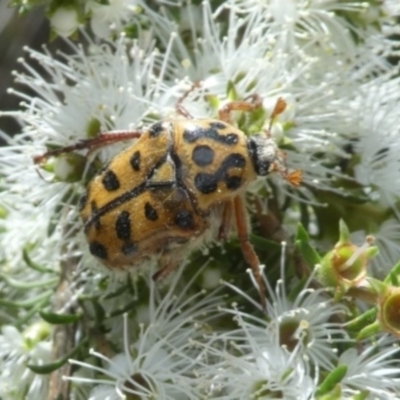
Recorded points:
(320, 78)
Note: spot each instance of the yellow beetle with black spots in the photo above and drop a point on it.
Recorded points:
(181, 182)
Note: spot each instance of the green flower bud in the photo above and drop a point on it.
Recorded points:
(36, 332)
(346, 265)
(389, 310)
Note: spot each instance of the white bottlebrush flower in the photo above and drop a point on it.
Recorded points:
(374, 370)
(17, 350)
(392, 7)
(21, 211)
(387, 240)
(111, 16)
(139, 371)
(315, 23)
(312, 83)
(112, 87)
(158, 358)
(378, 141)
(264, 373)
(302, 324)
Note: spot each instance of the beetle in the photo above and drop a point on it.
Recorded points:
(180, 184)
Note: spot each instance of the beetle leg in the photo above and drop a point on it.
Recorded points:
(167, 266)
(247, 248)
(103, 139)
(225, 226)
(180, 109)
(250, 103)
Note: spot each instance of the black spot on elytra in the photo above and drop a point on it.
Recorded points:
(129, 248)
(219, 125)
(211, 132)
(110, 181)
(184, 219)
(98, 250)
(146, 185)
(203, 155)
(233, 182)
(208, 183)
(234, 160)
(156, 129)
(123, 225)
(127, 196)
(150, 212)
(135, 161)
(115, 203)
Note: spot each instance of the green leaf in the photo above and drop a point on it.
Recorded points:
(393, 276)
(308, 252)
(99, 311)
(128, 307)
(93, 128)
(333, 378)
(231, 91)
(21, 322)
(362, 320)
(27, 303)
(302, 234)
(49, 368)
(334, 394)
(60, 319)
(33, 265)
(262, 243)
(362, 395)
(369, 330)
(122, 289)
(19, 284)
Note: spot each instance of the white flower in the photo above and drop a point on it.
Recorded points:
(316, 22)
(387, 239)
(17, 350)
(111, 16)
(392, 7)
(378, 140)
(263, 373)
(375, 369)
(312, 82)
(302, 325)
(158, 356)
(24, 226)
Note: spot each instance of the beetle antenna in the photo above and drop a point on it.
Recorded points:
(294, 177)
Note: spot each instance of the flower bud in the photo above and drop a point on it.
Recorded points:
(389, 310)
(36, 332)
(346, 265)
(64, 21)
